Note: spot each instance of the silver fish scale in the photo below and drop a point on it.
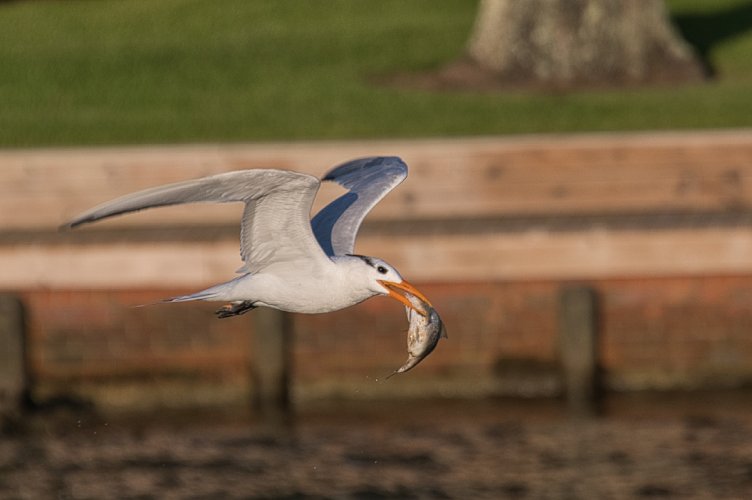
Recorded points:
(423, 333)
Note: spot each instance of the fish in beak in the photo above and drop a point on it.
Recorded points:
(397, 291)
(423, 333)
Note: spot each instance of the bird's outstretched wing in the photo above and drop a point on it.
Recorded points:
(275, 227)
(368, 180)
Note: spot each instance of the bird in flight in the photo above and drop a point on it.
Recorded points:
(290, 262)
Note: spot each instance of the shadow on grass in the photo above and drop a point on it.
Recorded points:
(705, 31)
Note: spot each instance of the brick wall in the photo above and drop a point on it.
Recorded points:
(659, 333)
(502, 222)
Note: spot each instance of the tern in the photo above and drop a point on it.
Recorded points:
(290, 262)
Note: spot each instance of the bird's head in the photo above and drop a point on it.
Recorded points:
(384, 279)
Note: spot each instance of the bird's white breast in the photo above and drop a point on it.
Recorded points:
(320, 290)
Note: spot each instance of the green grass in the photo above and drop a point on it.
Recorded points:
(145, 71)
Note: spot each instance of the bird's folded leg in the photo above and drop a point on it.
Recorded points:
(234, 309)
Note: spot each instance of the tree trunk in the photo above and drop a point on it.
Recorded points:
(564, 43)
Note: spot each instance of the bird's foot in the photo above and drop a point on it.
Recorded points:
(234, 309)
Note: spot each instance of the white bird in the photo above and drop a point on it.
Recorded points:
(291, 263)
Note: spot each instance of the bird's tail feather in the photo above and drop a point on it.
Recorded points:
(208, 294)
(202, 295)
(216, 292)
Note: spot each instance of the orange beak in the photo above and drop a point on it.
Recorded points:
(406, 287)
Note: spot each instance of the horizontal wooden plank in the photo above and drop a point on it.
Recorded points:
(695, 171)
(535, 254)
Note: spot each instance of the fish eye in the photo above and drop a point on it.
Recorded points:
(381, 269)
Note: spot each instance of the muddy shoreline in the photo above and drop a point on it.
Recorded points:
(653, 446)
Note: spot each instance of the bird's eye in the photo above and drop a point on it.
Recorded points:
(381, 269)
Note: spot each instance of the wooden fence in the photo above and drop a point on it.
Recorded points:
(500, 208)
(557, 208)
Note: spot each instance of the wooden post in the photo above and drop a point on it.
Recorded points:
(272, 341)
(578, 332)
(13, 375)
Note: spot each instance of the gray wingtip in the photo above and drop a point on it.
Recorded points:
(361, 163)
(66, 226)
(74, 223)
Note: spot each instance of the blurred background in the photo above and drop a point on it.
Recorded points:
(577, 210)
